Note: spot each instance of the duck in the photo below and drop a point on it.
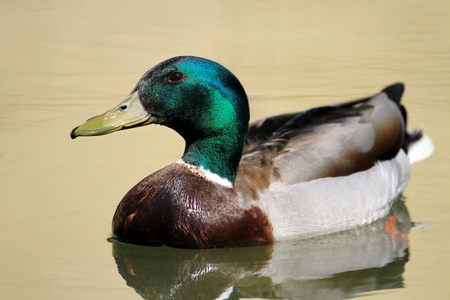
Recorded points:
(290, 176)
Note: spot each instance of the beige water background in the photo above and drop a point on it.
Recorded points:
(64, 61)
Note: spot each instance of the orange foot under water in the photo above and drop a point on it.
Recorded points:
(392, 230)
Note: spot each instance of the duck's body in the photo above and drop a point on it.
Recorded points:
(320, 171)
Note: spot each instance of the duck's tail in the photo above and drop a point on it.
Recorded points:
(417, 144)
(420, 147)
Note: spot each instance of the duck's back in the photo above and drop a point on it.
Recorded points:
(329, 168)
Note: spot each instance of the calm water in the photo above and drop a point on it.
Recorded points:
(64, 61)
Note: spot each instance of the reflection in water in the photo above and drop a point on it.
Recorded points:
(336, 266)
(169, 273)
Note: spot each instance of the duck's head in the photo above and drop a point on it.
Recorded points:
(198, 98)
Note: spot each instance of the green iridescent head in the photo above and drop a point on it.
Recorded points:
(198, 98)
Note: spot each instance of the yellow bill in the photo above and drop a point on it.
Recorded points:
(128, 113)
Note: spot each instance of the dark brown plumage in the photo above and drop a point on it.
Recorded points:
(188, 211)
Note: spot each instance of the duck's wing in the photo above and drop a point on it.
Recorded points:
(327, 141)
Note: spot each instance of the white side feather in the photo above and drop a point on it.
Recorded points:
(333, 204)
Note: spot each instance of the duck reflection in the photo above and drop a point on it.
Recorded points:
(330, 267)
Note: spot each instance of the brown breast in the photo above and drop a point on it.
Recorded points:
(179, 208)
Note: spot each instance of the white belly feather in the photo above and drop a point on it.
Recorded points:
(334, 204)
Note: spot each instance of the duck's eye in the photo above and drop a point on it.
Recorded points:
(176, 77)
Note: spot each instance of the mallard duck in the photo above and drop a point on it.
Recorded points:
(295, 175)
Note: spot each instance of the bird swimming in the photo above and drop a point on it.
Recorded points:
(300, 174)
